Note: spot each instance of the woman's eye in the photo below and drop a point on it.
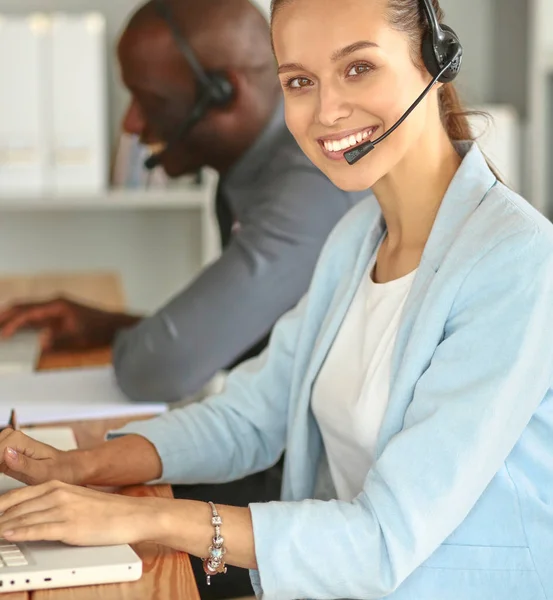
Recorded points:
(358, 70)
(299, 82)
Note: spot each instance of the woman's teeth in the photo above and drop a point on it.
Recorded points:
(348, 141)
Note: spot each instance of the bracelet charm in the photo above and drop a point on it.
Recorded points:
(214, 564)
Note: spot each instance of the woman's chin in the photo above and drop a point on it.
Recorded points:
(351, 181)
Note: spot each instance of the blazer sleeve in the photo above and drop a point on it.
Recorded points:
(238, 432)
(235, 302)
(486, 379)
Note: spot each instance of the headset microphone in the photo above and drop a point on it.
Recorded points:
(196, 115)
(442, 54)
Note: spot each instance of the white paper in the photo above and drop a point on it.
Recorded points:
(67, 395)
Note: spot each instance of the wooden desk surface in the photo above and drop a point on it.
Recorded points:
(166, 574)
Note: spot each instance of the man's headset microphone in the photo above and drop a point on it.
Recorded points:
(441, 51)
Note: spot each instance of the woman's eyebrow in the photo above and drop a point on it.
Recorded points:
(347, 50)
(287, 67)
(337, 55)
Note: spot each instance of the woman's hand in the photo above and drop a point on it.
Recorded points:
(78, 516)
(56, 511)
(128, 460)
(32, 462)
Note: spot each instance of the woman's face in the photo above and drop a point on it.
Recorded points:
(347, 77)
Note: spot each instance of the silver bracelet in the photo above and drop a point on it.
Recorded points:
(214, 563)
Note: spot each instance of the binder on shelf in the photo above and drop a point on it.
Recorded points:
(79, 131)
(24, 103)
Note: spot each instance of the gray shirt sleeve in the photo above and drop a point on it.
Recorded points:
(235, 302)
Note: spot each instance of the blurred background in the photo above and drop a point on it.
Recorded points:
(94, 212)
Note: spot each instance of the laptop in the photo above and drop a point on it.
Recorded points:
(43, 565)
(19, 353)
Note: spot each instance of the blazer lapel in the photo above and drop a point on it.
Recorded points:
(416, 341)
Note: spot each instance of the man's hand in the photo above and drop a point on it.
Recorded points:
(79, 516)
(32, 462)
(66, 324)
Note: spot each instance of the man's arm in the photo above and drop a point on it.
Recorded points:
(236, 301)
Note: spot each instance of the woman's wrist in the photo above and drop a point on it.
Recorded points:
(80, 465)
(155, 520)
(171, 524)
(127, 460)
(186, 525)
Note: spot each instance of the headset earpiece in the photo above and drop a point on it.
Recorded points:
(440, 46)
(221, 90)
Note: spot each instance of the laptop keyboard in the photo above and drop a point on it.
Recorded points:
(11, 555)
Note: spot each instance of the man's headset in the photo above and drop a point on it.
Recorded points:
(214, 89)
(442, 54)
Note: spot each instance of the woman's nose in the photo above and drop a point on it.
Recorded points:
(333, 106)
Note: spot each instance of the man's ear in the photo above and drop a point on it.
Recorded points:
(237, 81)
(230, 118)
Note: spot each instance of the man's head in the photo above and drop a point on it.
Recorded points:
(227, 36)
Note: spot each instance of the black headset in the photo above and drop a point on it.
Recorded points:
(214, 89)
(442, 54)
(440, 47)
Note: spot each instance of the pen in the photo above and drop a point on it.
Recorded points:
(12, 422)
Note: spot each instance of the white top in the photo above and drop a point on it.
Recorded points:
(350, 395)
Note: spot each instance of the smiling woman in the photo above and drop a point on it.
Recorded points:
(372, 87)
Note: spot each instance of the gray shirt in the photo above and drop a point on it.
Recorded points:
(283, 209)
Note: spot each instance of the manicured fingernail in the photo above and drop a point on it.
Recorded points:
(7, 533)
(12, 453)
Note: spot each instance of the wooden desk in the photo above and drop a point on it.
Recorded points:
(66, 360)
(167, 575)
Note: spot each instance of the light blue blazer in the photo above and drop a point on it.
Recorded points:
(459, 505)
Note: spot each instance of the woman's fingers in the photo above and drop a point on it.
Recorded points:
(49, 532)
(38, 504)
(75, 515)
(21, 495)
(27, 523)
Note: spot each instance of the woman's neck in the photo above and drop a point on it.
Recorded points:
(410, 196)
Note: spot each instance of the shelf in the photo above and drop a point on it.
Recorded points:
(178, 198)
